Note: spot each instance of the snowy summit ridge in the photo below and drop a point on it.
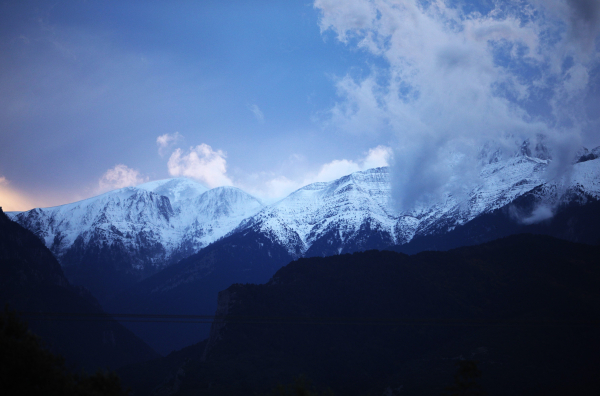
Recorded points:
(154, 224)
(357, 212)
(139, 230)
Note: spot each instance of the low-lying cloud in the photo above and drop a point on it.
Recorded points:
(452, 82)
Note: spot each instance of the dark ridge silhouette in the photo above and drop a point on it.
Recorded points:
(526, 307)
(27, 368)
(191, 285)
(32, 281)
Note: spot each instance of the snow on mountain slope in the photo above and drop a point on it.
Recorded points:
(179, 191)
(119, 214)
(500, 183)
(344, 213)
(339, 207)
(156, 223)
(212, 215)
(142, 229)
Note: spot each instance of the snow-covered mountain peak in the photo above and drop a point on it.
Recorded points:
(158, 222)
(492, 152)
(177, 190)
(340, 207)
(226, 200)
(229, 204)
(342, 210)
(583, 154)
(371, 180)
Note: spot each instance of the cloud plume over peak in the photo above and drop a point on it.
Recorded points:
(201, 163)
(120, 176)
(452, 81)
(270, 187)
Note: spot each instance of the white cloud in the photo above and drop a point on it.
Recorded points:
(377, 157)
(539, 214)
(257, 112)
(201, 163)
(334, 170)
(118, 177)
(166, 141)
(455, 81)
(271, 187)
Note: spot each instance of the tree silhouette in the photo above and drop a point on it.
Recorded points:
(27, 368)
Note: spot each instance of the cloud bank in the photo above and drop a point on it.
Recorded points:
(450, 81)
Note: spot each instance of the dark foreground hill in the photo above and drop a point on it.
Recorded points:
(31, 280)
(191, 285)
(526, 307)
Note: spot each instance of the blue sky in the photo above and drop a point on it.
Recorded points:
(271, 95)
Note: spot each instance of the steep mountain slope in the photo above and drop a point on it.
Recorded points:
(526, 307)
(111, 241)
(355, 212)
(31, 280)
(341, 211)
(575, 220)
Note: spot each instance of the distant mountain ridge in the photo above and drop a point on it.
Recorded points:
(110, 242)
(355, 212)
(351, 214)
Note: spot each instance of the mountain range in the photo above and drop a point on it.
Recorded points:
(109, 242)
(169, 246)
